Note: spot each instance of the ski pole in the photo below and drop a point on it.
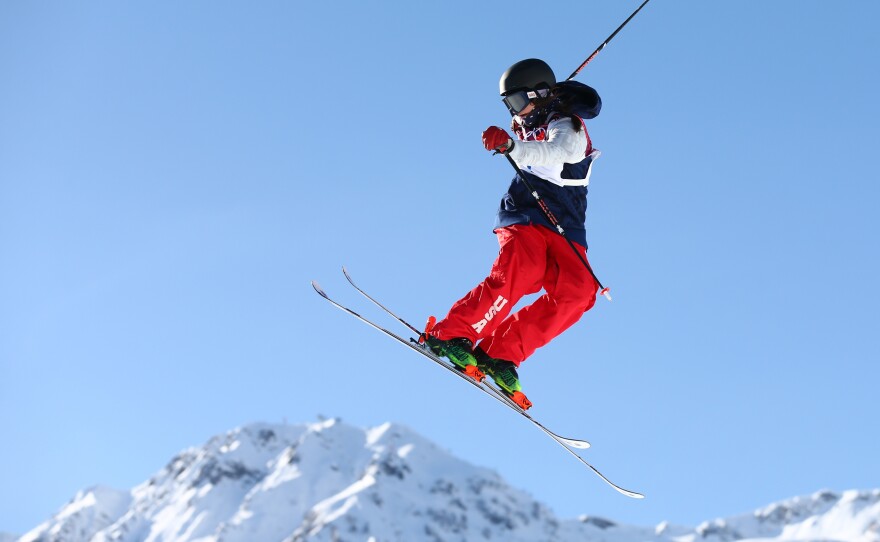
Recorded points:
(604, 43)
(548, 214)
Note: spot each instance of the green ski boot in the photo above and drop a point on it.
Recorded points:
(459, 351)
(504, 374)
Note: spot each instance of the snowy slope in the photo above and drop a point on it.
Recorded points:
(852, 516)
(90, 511)
(331, 481)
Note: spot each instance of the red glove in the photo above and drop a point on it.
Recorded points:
(496, 139)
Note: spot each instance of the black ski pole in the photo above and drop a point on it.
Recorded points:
(604, 43)
(549, 215)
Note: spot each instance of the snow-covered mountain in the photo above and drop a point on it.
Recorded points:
(849, 516)
(330, 481)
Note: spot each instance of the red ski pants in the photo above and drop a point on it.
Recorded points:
(531, 258)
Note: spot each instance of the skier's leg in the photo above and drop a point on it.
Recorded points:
(570, 291)
(519, 270)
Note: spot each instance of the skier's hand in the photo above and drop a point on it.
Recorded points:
(497, 140)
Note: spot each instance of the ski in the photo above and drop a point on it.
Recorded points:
(568, 444)
(381, 306)
(496, 392)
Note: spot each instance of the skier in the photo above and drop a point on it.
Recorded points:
(553, 150)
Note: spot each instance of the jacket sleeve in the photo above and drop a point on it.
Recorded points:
(563, 145)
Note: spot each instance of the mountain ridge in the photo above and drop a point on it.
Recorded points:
(331, 481)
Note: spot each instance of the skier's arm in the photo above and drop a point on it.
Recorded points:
(563, 145)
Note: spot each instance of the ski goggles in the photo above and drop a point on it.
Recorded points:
(517, 100)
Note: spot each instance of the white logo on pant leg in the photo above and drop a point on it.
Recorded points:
(493, 312)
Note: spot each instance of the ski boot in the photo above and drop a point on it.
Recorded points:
(504, 374)
(459, 351)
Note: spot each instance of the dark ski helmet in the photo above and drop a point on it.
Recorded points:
(520, 83)
(528, 74)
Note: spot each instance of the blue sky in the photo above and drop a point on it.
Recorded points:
(172, 176)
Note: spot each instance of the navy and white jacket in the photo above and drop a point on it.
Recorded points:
(557, 160)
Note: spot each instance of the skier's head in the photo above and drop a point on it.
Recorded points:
(527, 80)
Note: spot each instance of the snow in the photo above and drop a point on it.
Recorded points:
(373, 435)
(331, 481)
(825, 515)
(89, 511)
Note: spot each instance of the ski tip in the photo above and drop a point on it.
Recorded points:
(626, 492)
(318, 289)
(632, 494)
(607, 293)
(575, 443)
